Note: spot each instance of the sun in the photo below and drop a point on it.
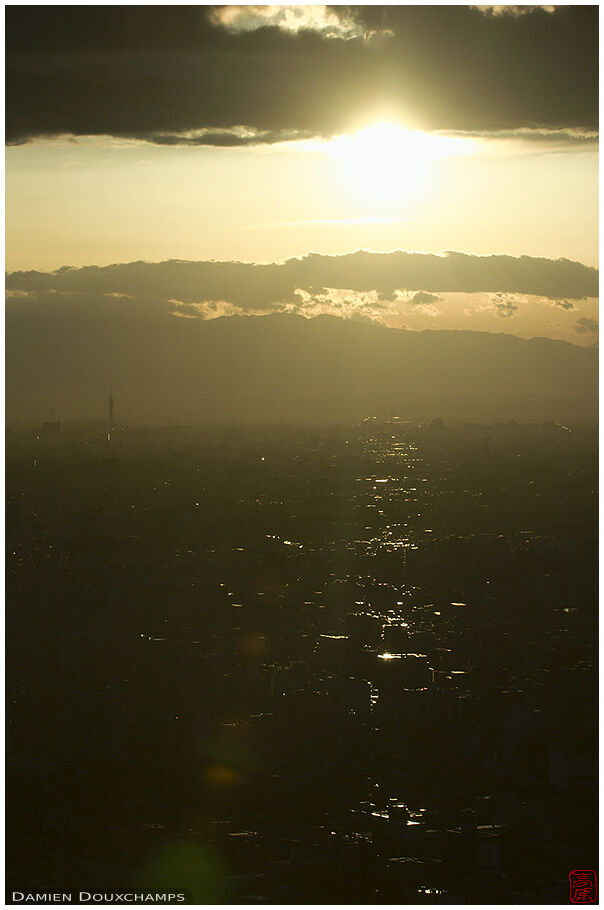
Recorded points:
(387, 159)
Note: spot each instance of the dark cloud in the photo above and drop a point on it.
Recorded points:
(226, 138)
(424, 297)
(166, 73)
(506, 308)
(586, 326)
(565, 304)
(503, 306)
(253, 287)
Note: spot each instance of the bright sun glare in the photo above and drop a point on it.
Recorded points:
(386, 158)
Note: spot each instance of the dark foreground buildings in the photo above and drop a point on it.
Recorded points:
(297, 665)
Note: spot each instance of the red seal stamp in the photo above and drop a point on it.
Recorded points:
(583, 886)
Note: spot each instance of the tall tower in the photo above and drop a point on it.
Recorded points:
(110, 427)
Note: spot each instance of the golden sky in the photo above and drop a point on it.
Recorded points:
(102, 200)
(258, 134)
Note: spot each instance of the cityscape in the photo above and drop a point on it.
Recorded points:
(355, 660)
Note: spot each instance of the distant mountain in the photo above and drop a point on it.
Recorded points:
(284, 367)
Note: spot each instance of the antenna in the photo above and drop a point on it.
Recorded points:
(110, 426)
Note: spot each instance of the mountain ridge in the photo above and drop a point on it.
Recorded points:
(280, 366)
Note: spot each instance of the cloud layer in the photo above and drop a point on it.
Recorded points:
(254, 287)
(401, 290)
(150, 331)
(240, 75)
